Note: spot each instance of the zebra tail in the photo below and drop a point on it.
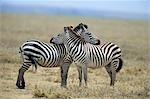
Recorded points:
(120, 65)
(20, 50)
(34, 63)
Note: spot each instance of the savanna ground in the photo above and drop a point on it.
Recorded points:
(133, 81)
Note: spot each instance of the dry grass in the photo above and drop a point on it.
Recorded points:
(132, 36)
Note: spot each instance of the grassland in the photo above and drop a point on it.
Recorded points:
(133, 81)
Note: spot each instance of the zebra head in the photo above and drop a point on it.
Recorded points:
(59, 38)
(68, 32)
(82, 30)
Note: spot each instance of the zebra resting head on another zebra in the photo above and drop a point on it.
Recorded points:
(84, 54)
(35, 52)
(82, 33)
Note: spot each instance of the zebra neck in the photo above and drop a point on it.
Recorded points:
(60, 49)
(72, 43)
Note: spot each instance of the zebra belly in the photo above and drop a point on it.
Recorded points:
(95, 63)
(53, 63)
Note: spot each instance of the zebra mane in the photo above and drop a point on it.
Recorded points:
(79, 27)
(73, 32)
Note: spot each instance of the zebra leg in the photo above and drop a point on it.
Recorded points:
(64, 70)
(64, 74)
(108, 69)
(80, 75)
(114, 64)
(113, 77)
(20, 80)
(84, 68)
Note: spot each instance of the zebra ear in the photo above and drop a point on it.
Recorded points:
(71, 29)
(86, 26)
(71, 26)
(81, 24)
(65, 29)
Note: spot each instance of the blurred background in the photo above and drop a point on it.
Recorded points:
(124, 22)
(123, 9)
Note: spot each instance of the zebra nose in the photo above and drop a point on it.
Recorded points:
(51, 41)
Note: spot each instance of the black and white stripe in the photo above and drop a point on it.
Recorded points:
(35, 52)
(43, 54)
(87, 55)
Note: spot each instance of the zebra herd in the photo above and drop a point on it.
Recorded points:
(73, 45)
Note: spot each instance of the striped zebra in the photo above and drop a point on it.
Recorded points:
(86, 55)
(35, 52)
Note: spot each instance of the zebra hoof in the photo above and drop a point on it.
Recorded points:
(21, 87)
(112, 84)
(20, 84)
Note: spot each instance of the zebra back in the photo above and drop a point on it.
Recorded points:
(43, 54)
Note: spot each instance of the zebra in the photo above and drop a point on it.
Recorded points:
(87, 55)
(35, 52)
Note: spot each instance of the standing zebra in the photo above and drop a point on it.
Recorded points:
(35, 52)
(87, 55)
